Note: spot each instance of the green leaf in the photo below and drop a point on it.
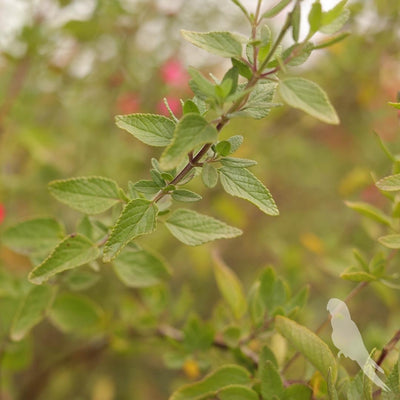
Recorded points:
(230, 81)
(230, 287)
(242, 183)
(259, 103)
(332, 393)
(330, 26)
(275, 10)
(332, 41)
(146, 186)
(395, 105)
(151, 129)
(209, 175)
(190, 106)
(309, 344)
(357, 276)
(31, 311)
(191, 131)
(334, 13)
(295, 21)
(237, 162)
(297, 392)
(197, 335)
(389, 183)
(194, 229)
(223, 148)
(34, 236)
(90, 195)
(390, 241)
(235, 141)
(140, 268)
(223, 44)
(271, 382)
(243, 68)
(74, 251)
(257, 307)
(237, 392)
(369, 211)
(315, 17)
(309, 97)
(75, 313)
(298, 58)
(213, 383)
(81, 280)
(267, 355)
(137, 218)
(200, 86)
(185, 195)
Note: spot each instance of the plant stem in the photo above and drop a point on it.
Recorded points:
(389, 347)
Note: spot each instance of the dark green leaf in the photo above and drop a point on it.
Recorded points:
(271, 382)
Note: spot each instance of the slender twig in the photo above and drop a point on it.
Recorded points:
(389, 347)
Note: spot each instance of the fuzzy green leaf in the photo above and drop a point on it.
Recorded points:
(390, 241)
(309, 344)
(230, 287)
(200, 86)
(223, 44)
(309, 97)
(357, 276)
(74, 251)
(389, 183)
(297, 392)
(137, 218)
(275, 10)
(75, 313)
(213, 383)
(271, 382)
(185, 196)
(333, 20)
(209, 175)
(237, 392)
(194, 229)
(33, 236)
(90, 195)
(140, 268)
(237, 162)
(242, 183)
(151, 129)
(191, 131)
(369, 211)
(31, 311)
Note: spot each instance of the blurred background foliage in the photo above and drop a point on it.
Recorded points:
(68, 67)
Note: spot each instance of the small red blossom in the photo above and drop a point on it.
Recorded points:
(173, 73)
(2, 213)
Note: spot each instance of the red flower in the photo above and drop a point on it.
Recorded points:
(173, 73)
(2, 213)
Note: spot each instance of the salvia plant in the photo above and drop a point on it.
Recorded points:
(249, 329)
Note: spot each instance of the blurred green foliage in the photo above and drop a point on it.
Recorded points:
(62, 81)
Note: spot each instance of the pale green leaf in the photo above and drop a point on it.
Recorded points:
(336, 24)
(209, 175)
(214, 382)
(137, 218)
(230, 287)
(200, 86)
(194, 229)
(369, 211)
(242, 183)
(309, 97)
(140, 268)
(81, 280)
(74, 251)
(33, 236)
(151, 129)
(191, 131)
(271, 382)
(237, 162)
(31, 311)
(276, 9)
(395, 105)
(75, 313)
(237, 392)
(185, 195)
(90, 195)
(357, 276)
(389, 183)
(390, 241)
(235, 141)
(315, 16)
(297, 392)
(295, 20)
(309, 344)
(224, 44)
